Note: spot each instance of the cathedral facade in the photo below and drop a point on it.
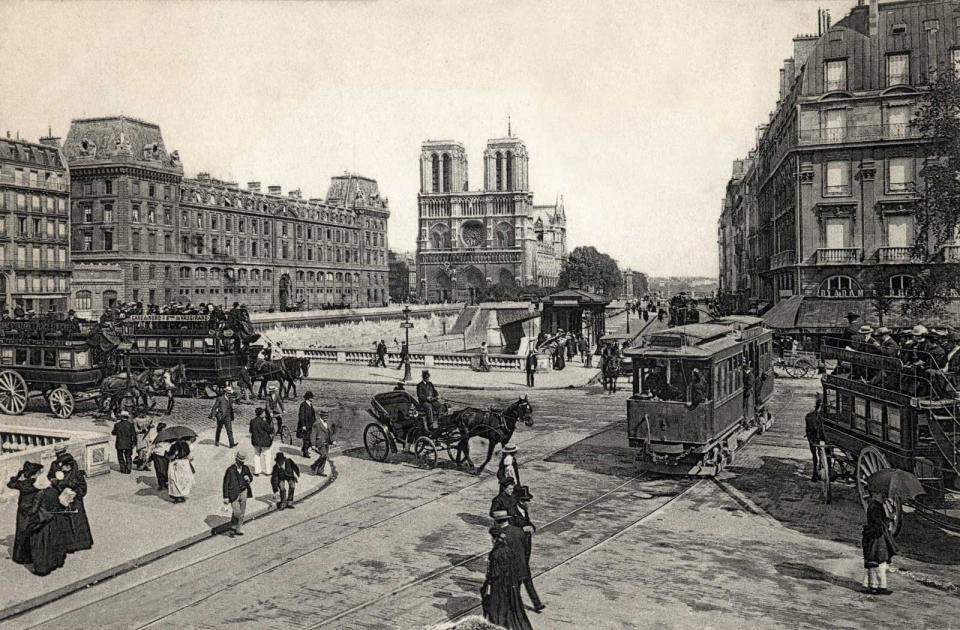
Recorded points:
(469, 241)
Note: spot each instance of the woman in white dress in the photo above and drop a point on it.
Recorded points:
(180, 472)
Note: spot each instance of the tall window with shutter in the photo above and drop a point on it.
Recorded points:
(900, 174)
(898, 69)
(835, 75)
(837, 180)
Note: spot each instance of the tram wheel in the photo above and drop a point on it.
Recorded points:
(13, 393)
(375, 441)
(870, 461)
(426, 452)
(61, 402)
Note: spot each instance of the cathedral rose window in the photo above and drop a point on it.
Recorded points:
(472, 234)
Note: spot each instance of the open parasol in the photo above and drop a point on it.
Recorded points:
(172, 434)
(894, 484)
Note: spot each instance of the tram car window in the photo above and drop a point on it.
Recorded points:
(893, 424)
(65, 358)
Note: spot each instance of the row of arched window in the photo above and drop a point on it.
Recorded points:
(845, 286)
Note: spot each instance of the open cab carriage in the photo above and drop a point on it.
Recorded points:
(694, 405)
(400, 423)
(618, 339)
(880, 413)
(63, 361)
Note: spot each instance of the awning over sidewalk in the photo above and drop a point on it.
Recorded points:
(814, 314)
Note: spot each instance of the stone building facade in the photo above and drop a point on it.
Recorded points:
(828, 193)
(34, 225)
(470, 240)
(201, 239)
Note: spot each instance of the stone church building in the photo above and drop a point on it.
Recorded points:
(470, 240)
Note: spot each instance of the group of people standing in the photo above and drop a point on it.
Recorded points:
(508, 563)
(140, 444)
(51, 517)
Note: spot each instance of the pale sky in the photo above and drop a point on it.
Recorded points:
(633, 111)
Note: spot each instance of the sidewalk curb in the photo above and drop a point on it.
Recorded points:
(519, 388)
(125, 567)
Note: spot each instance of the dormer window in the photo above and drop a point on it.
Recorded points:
(835, 75)
(898, 69)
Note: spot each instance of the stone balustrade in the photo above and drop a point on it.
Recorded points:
(508, 362)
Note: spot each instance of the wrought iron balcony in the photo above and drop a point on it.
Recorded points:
(785, 258)
(857, 133)
(838, 256)
(951, 253)
(895, 254)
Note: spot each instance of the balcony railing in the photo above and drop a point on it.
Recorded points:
(857, 133)
(838, 255)
(785, 258)
(951, 253)
(895, 254)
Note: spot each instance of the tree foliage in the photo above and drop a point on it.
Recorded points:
(590, 270)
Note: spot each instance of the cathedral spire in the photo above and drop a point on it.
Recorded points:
(509, 130)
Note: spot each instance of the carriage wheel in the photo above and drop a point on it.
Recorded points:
(375, 441)
(870, 461)
(61, 402)
(825, 473)
(13, 393)
(791, 370)
(426, 452)
(803, 368)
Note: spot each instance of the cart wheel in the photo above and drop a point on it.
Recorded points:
(375, 441)
(803, 368)
(13, 393)
(61, 402)
(426, 452)
(870, 461)
(825, 473)
(791, 370)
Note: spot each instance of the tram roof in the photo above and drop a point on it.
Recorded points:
(697, 340)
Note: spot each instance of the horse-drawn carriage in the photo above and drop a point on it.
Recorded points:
(63, 361)
(400, 421)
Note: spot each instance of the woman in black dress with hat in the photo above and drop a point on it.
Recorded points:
(500, 593)
(23, 482)
(69, 475)
(49, 529)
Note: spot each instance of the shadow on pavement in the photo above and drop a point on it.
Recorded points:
(801, 571)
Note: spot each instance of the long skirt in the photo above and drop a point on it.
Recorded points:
(181, 478)
(47, 545)
(81, 537)
(504, 606)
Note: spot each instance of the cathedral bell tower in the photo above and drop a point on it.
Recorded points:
(443, 167)
(505, 165)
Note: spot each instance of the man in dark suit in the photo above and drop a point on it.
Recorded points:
(814, 432)
(381, 354)
(531, 367)
(522, 521)
(307, 417)
(322, 437)
(222, 413)
(126, 440)
(428, 397)
(283, 480)
(237, 482)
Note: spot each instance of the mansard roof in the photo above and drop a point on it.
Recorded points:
(119, 139)
(31, 153)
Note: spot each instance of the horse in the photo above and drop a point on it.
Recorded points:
(151, 381)
(284, 371)
(495, 425)
(610, 372)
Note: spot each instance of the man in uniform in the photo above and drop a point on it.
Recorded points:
(814, 431)
(428, 397)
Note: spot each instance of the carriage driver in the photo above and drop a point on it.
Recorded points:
(428, 397)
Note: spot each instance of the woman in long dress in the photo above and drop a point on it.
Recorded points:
(26, 501)
(180, 472)
(878, 548)
(502, 604)
(50, 529)
(69, 475)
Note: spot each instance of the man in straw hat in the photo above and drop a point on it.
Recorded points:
(237, 482)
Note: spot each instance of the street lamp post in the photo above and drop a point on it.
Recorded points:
(406, 325)
(628, 318)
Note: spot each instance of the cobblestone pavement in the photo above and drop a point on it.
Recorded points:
(393, 546)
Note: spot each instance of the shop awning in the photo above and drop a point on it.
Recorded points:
(784, 313)
(814, 314)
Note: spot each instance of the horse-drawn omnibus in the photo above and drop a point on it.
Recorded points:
(699, 393)
(211, 356)
(63, 361)
(880, 413)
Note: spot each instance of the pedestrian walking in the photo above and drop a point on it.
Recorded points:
(71, 481)
(180, 472)
(126, 439)
(145, 434)
(381, 354)
(261, 436)
(878, 548)
(322, 437)
(222, 414)
(484, 357)
(506, 500)
(500, 593)
(584, 349)
(522, 520)
(508, 468)
(237, 488)
(27, 495)
(274, 406)
(306, 418)
(158, 455)
(283, 480)
(531, 367)
(50, 530)
(814, 432)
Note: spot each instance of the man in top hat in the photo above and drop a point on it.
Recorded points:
(306, 418)
(508, 464)
(237, 482)
(522, 520)
(126, 439)
(429, 398)
(222, 413)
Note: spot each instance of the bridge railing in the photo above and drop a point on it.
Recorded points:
(499, 362)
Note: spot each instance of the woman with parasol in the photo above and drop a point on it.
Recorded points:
(180, 471)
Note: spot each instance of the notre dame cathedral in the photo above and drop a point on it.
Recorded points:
(470, 240)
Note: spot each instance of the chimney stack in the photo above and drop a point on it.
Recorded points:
(253, 186)
(51, 141)
(294, 194)
(274, 190)
(874, 18)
